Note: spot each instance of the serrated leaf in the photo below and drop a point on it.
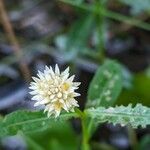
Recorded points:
(137, 116)
(28, 121)
(106, 85)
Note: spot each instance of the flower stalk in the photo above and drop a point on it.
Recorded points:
(85, 133)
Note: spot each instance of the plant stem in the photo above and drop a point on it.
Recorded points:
(85, 135)
(100, 24)
(112, 15)
(85, 139)
(132, 137)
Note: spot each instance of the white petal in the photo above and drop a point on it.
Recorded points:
(45, 101)
(41, 92)
(36, 98)
(71, 78)
(33, 87)
(54, 100)
(37, 104)
(52, 96)
(40, 75)
(74, 102)
(65, 72)
(57, 71)
(48, 76)
(68, 104)
(65, 107)
(49, 114)
(65, 77)
(50, 108)
(75, 88)
(61, 101)
(35, 79)
(33, 83)
(47, 69)
(76, 83)
(57, 113)
(46, 109)
(65, 96)
(76, 94)
(51, 71)
(33, 92)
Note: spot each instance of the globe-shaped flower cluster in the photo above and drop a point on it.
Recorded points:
(55, 90)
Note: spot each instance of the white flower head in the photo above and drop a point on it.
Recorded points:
(55, 90)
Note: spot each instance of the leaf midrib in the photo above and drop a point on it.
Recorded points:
(38, 119)
(122, 114)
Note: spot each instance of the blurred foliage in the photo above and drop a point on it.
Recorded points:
(60, 136)
(138, 6)
(139, 93)
(145, 143)
(74, 43)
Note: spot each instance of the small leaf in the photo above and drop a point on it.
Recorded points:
(106, 85)
(137, 116)
(28, 121)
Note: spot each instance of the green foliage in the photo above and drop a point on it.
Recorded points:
(138, 93)
(76, 40)
(27, 121)
(138, 6)
(110, 14)
(144, 143)
(106, 85)
(137, 116)
(59, 136)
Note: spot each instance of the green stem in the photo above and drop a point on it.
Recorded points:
(132, 137)
(112, 15)
(100, 29)
(85, 135)
(90, 127)
(85, 139)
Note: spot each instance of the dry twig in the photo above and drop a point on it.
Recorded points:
(13, 40)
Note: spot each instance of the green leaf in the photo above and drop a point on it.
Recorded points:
(28, 121)
(137, 116)
(60, 136)
(32, 145)
(139, 93)
(106, 85)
